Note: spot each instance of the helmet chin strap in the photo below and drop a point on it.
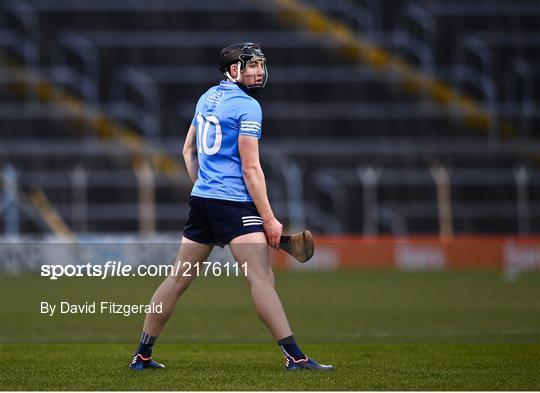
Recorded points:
(230, 78)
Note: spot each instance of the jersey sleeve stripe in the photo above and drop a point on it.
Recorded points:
(249, 126)
(249, 133)
(250, 122)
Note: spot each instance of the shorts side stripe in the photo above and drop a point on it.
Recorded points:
(250, 221)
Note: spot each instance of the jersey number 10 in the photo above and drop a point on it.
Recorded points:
(203, 127)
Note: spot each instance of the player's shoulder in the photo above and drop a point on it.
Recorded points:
(207, 98)
(252, 101)
(246, 102)
(208, 92)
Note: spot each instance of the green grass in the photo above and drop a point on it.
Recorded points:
(258, 367)
(382, 330)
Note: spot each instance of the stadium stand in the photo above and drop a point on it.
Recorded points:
(368, 107)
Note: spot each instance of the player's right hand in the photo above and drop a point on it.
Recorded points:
(273, 230)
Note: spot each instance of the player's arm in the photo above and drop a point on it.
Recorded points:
(248, 148)
(190, 153)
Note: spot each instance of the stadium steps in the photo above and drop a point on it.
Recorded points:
(407, 196)
(284, 103)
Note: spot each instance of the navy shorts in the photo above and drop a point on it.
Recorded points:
(217, 221)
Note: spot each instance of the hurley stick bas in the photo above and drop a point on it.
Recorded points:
(300, 245)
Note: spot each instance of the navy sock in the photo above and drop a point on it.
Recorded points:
(289, 348)
(145, 347)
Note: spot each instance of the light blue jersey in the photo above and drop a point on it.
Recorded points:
(223, 113)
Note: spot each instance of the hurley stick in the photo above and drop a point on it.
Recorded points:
(299, 245)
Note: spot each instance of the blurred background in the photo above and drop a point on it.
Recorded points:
(380, 117)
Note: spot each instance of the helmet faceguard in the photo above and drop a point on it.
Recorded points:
(242, 54)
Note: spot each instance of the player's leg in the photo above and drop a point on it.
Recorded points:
(167, 294)
(183, 274)
(253, 250)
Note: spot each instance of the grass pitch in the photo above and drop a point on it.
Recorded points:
(382, 331)
(258, 367)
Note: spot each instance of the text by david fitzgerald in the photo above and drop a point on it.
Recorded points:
(100, 308)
